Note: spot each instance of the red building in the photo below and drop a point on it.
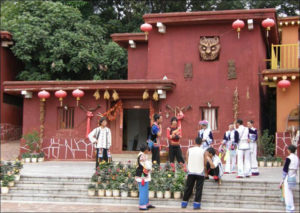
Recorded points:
(11, 106)
(211, 74)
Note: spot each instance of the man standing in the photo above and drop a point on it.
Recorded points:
(243, 150)
(231, 139)
(253, 148)
(205, 134)
(101, 137)
(196, 161)
(153, 142)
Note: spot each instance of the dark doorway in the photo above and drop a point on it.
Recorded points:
(135, 126)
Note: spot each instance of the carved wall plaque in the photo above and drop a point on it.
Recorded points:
(188, 70)
(231, 70)
(209, 48)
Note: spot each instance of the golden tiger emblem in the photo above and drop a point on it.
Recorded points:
(209, 48)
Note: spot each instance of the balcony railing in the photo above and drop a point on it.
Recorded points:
(285, 56)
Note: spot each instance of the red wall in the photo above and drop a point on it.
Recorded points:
(137, 61)
(169, 52)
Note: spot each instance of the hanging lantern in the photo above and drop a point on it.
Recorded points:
(145, 95)
(106, 95)
(43, 95)
(146, 28)
(284, 84)
(60, 94)
(77, 93)
(238, 25)
(155, 96)
(115, 95)
(268, 23)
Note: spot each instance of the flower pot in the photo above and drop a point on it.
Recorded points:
(108, 193)
(9, 173)
(151, 194)
(124, 194)
(177, 195)
(22, 160)
(167, 194)
(269, 163)
(279, 164)
(41, 159)
(133, 193)
(261, 163)
(33, 160)
(17, 177)
(27, 160)
(91, 192)
(275, 164)
(101, 193)
(4, 190)
(116, 193)
(159, 194)
(11, 183)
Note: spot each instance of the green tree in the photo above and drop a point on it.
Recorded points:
(55, 42)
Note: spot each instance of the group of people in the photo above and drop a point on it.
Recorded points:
(201, 160)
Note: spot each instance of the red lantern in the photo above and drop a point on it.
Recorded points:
(77, 93)
(146, 28)
(43, 95)
(60, 94)
(268, 23)
(238, 25)
(284, 84)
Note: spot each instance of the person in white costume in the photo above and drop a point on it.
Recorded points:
(253, 148)
(289, 177)
(205, 134)
(243, 151)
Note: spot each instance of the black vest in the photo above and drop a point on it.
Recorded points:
(140, 168)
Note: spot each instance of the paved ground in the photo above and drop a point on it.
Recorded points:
(10, 150)
(8, 206)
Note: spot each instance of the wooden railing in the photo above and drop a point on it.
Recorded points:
(285, 56)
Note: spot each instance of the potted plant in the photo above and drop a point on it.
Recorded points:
(32, 141)
(151, 189)
(108, 191)
(33, 158)
(116, 189)
(4, 186)
(91, 189)
(279, 161)
(26, 156)
(11, 180)
(94, 179)
(176, 189)
(269, 161)
(41, 157)
(101, 190)
(134, 190)
(124, 190)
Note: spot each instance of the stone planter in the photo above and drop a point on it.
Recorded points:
(101, 193)
(167, 194)
(11, 183)
(27, 160)
(108, 193)
(261, 163)
(41, 159)
(275, 164)
(91, 192)
(124, 194)
(177, 195)
(4, 190)
(116, 193)
(17, 177)
(269, 163)
(151, 194)
(33, 160)
(133, 193)
(159, 194)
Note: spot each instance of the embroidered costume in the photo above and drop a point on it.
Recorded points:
(174, 144)
(206, 135)
(243, 152)
(153, 143)
(230, 139)
(253, 151)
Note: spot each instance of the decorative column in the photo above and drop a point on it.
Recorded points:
(89, 115)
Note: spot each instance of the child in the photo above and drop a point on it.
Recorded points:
(143, 177)
(196, 162)
(289, 177)
(214, 165)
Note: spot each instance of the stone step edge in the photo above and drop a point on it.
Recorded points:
(113, 204)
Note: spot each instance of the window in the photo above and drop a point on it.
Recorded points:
(65, 117)
(211, 115)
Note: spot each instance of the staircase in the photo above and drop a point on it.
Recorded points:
(235, 194)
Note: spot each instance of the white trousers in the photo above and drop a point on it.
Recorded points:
(288, 197)
(244, 168)
(230, 161)
(253, 157)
